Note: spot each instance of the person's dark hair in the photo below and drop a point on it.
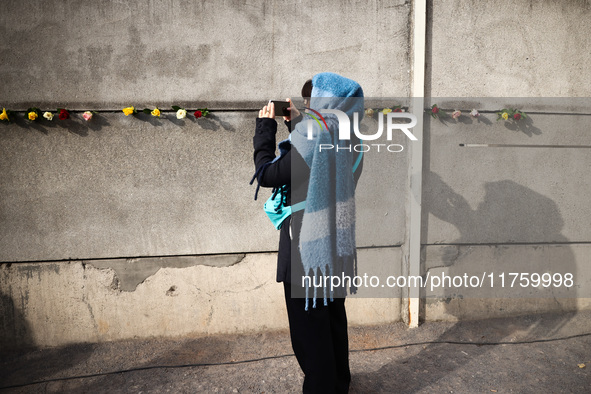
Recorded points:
(307, 90)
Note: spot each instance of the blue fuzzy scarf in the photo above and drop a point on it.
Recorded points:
(327, 237)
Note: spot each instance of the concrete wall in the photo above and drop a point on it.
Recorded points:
(507, 48)
(54, 304)
(108, 54)
(127, 227)
(516, 205)
(115, 223)
(494, 208)
(126, 187)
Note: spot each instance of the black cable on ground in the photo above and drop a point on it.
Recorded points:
(288, 355)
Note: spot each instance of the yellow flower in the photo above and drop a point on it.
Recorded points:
(128, 111)
(505, 115)
(156, 112)
(32, 115)
(3, 115)
(386, 110)
(369, 112)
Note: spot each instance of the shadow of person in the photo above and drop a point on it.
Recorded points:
(21, 360)
(16, 334)
(499, 235)
(508, 233)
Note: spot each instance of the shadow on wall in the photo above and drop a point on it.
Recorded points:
(15, 333)
(525, 125)
(510, 213)
(82, 128)
(21, 360)
(503, 208)
(73, 125)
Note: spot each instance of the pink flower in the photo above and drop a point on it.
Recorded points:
(517, 116)
(456, 114)
(87, 115)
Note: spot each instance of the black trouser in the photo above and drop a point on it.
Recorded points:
(320, 343)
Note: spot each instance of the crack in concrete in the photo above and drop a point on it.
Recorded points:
(85, 300)
(130, 273)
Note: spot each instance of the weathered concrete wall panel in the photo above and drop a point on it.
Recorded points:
(509, 48)
(125, 187)
(109, 54)
(129, 187)
(51, 304)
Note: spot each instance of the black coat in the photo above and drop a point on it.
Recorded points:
(278, 174)
(283, 172)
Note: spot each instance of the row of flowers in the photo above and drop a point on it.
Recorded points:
(505, 113)
(436, 112)
(33, 114)
(181, 113)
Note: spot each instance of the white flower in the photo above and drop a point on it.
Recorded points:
(48, 115)
(474, 113)
(181, 114)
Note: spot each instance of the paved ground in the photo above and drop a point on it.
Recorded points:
(519, 355)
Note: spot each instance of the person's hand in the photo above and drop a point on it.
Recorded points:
(293, 111)
(268, 111)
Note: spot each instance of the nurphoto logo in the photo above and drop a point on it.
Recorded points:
(345, 130)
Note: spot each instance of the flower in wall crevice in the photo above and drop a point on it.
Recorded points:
(5, 115)
(436, 112)
(33, 113)
(88, 115)
(129, 111)
(201, 112)
(48, 115)
(456, 114)
(181, 113)
(511, 113)
(154, 112)
(63, 114)
(370, 112)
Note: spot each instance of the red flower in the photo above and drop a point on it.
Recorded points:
(435, 110)
(198, 114)
(397, 109)
(517, 116)
(64, 114)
